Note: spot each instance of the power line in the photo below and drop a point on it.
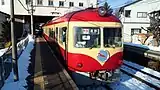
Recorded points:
(123, 4)
(23, 5)
(144, 2)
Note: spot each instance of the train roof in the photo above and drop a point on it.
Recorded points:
(84, 15)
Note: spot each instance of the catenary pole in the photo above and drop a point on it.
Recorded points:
(32, 28)
(14, 46)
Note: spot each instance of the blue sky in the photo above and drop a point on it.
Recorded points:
(115, 3)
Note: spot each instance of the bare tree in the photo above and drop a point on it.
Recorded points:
(155, 27)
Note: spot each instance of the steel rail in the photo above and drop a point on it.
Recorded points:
(139, 78)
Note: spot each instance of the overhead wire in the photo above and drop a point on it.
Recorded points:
(120, 5)
(23, 5)
(144, 2)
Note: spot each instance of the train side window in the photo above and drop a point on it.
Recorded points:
(53, 32)
(60, 36)
(64, 34)
(50, 32)
(56, 33)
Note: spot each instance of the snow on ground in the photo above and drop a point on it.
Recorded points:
(2, 51)
(128, 83)
(147, 70)
(142, 76)
(23, 63)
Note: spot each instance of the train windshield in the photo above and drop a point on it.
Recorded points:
(112, 37)
(87, 37)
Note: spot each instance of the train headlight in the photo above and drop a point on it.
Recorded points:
(102, 11)
(80, 65)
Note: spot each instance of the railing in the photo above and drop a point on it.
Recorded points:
(154, 55)
(6, 61)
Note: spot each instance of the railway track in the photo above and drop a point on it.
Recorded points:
(84, 82)
(132, 76)
(150, 78)
(94, 86)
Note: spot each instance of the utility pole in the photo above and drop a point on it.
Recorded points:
(32, 28)
(14, 45)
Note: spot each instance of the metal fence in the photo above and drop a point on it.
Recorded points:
(6, 60)
(5, 66)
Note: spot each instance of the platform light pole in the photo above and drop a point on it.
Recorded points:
(14, 45)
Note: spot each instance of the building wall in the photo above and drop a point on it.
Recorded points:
(133, 21)
(127, 30)
(45, 9)
(20, 9)
(2, 19)
(137, 7)
(18, 24)
(6, 7)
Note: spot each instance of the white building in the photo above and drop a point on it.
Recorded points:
(44, 10)
(45, 7)
(135, 15)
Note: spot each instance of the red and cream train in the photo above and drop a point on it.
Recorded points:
(90, 41)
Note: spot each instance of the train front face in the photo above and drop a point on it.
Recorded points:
(97, 49)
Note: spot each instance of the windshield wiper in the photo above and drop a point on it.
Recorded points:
(113, 46)
(92, 46)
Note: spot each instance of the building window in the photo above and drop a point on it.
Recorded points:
(127, 13)
(2, 2)
(39, 2)
(50, 2)
(141, 14)
(71, 4)
(61, 3)
(135, 31)
(28, 1)
(81, 4)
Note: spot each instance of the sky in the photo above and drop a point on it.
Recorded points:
(115, 3)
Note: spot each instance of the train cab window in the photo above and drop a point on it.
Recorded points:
(112, 37)
(87, 37)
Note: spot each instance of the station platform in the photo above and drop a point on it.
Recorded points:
(46, 71)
